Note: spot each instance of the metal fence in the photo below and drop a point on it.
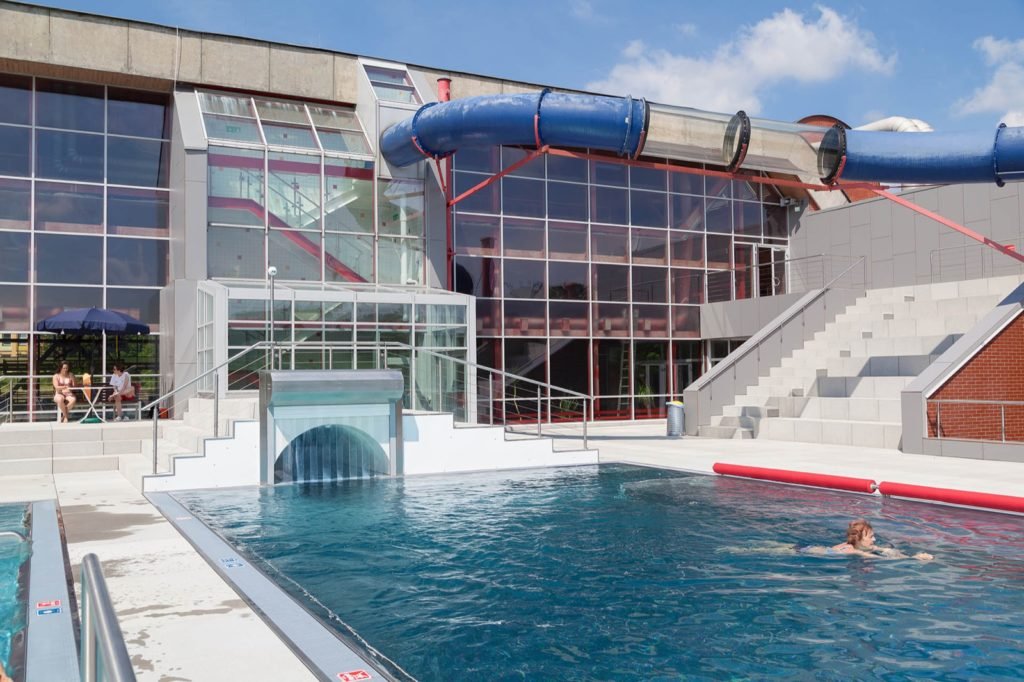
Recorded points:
(29, 398)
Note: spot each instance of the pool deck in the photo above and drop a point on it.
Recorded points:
(181, 621)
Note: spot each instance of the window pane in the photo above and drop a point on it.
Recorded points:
(15, 198)
(69, 156)
(747, 217)
(718, 187)
(481, 160)
(14, 308)
(687, 248)
(649, 285)
(400, 207)
(289, 136)
(525, 318)
(69, 259)
(775, 221)
(523, 197)
(349, 191)
(523, 278)
(137, 162)
(610, 244)
(400, 261)
(611, 319)
(343, 141)
(567, 168)
(687, 286)
(349, 258)
(719, 216)
(477, 235)
(719, 286)
(742, 189)
(532, 169)
(523, 237)
(225, 104)
(687, 213)
(650, 321)
(137, 212)
(488, 316)
(69, 208)
(142, 114)
(718, 248)
(647, 178)
(484, 200)
(138, 262)
(14, 263)
(142, 304)
(609, 173)
(687, 183)
(648, 246)
(380, 74)
(567, 201)
(15, 99)
(648, 209)
(476, 276)
(235, 186)
(609, 205)
(235, 252)
(72, 106)
(231, 128)
(566, 241)
(685, 322)
(15, 151)
(281, 112)
(296, 255)
(53, 300)
(611, 282)
(293, 190)
(569, 319)
(569, 281)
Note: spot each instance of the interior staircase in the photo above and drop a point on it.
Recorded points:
(843, 386)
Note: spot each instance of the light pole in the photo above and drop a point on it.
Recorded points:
(271, 273)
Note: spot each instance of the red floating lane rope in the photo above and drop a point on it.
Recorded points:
(966, 498)
(857, 485)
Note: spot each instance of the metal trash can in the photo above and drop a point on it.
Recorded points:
(675, 419)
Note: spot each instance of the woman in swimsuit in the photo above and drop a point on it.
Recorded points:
(860, 540)
(62, 393)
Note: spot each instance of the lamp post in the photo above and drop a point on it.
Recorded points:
(271, 273)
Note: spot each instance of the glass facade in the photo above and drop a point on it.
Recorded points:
(590, 273)
(84, 218)
(293, 185)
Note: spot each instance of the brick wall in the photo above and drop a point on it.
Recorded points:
(996, 372)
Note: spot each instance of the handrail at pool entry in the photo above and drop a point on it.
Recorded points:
(848, 483)
(103, 649)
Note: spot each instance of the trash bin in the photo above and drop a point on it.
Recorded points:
(675, 419)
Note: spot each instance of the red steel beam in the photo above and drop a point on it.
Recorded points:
(497, 176)
(1005, 249)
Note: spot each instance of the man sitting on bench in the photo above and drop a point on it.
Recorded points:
(121, 381)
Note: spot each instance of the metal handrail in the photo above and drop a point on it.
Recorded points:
(103, 648)
(939, 402)
(744, 350)
(7, 401)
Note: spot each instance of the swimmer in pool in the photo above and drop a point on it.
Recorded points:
(860, 540)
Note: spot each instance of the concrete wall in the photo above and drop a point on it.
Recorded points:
(901, 247)
(742, 319)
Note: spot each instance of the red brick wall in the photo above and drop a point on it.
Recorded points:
(996, 372)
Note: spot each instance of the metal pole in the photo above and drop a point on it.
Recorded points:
(271, 322)
(538, 411)
(156, 430)
(1002, 417)
(88, 653)
(938, 420)
(216, 404)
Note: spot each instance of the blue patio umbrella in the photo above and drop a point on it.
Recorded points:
(92, 321)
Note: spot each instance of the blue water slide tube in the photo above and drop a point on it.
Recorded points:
(612, 124)
(928, 158)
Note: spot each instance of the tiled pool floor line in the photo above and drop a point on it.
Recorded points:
(181, 621)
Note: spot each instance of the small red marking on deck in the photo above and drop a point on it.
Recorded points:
(354, 676)
(47, 604)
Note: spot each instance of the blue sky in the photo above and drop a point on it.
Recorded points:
(953, 64)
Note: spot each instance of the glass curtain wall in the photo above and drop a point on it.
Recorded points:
(589, 274)
(83, 219)
(293, 185)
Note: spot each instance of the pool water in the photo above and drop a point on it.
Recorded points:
(13, 554)
(628, 573)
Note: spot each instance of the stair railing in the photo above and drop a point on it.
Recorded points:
(104, 655)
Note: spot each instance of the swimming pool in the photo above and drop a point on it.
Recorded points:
(618, 572)
(13, 555)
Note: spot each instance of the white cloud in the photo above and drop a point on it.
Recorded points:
(688, 30)
(781, 47)
(581, 9)
(1004, 93)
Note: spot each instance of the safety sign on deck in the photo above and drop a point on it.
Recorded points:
(354, 676)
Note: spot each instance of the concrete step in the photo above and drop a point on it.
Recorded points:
(874, 434)
(756, 411)
(898, 345)
(879, 365)
(728, 432)
(239, 408)
(859, 387)
(856, 409)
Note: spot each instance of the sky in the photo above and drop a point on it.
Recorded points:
(953, 64)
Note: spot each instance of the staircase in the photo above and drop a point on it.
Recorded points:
(843, 386)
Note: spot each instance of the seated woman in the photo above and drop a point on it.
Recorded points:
(123, 390)
(63, 382)
(860, 540)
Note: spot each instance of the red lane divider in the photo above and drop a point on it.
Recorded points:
(950, 496)
(857, 485)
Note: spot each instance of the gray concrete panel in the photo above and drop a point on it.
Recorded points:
(104, 41)
(189, 67)
(26, 32)
(345, 83)
(303, 73)
(881, 218)
(951, 202)
(152, 51)
(976, 202)
(1003, 452)
(236, 63)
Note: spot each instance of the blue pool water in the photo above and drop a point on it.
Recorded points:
(13, 554)
(624, 573)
